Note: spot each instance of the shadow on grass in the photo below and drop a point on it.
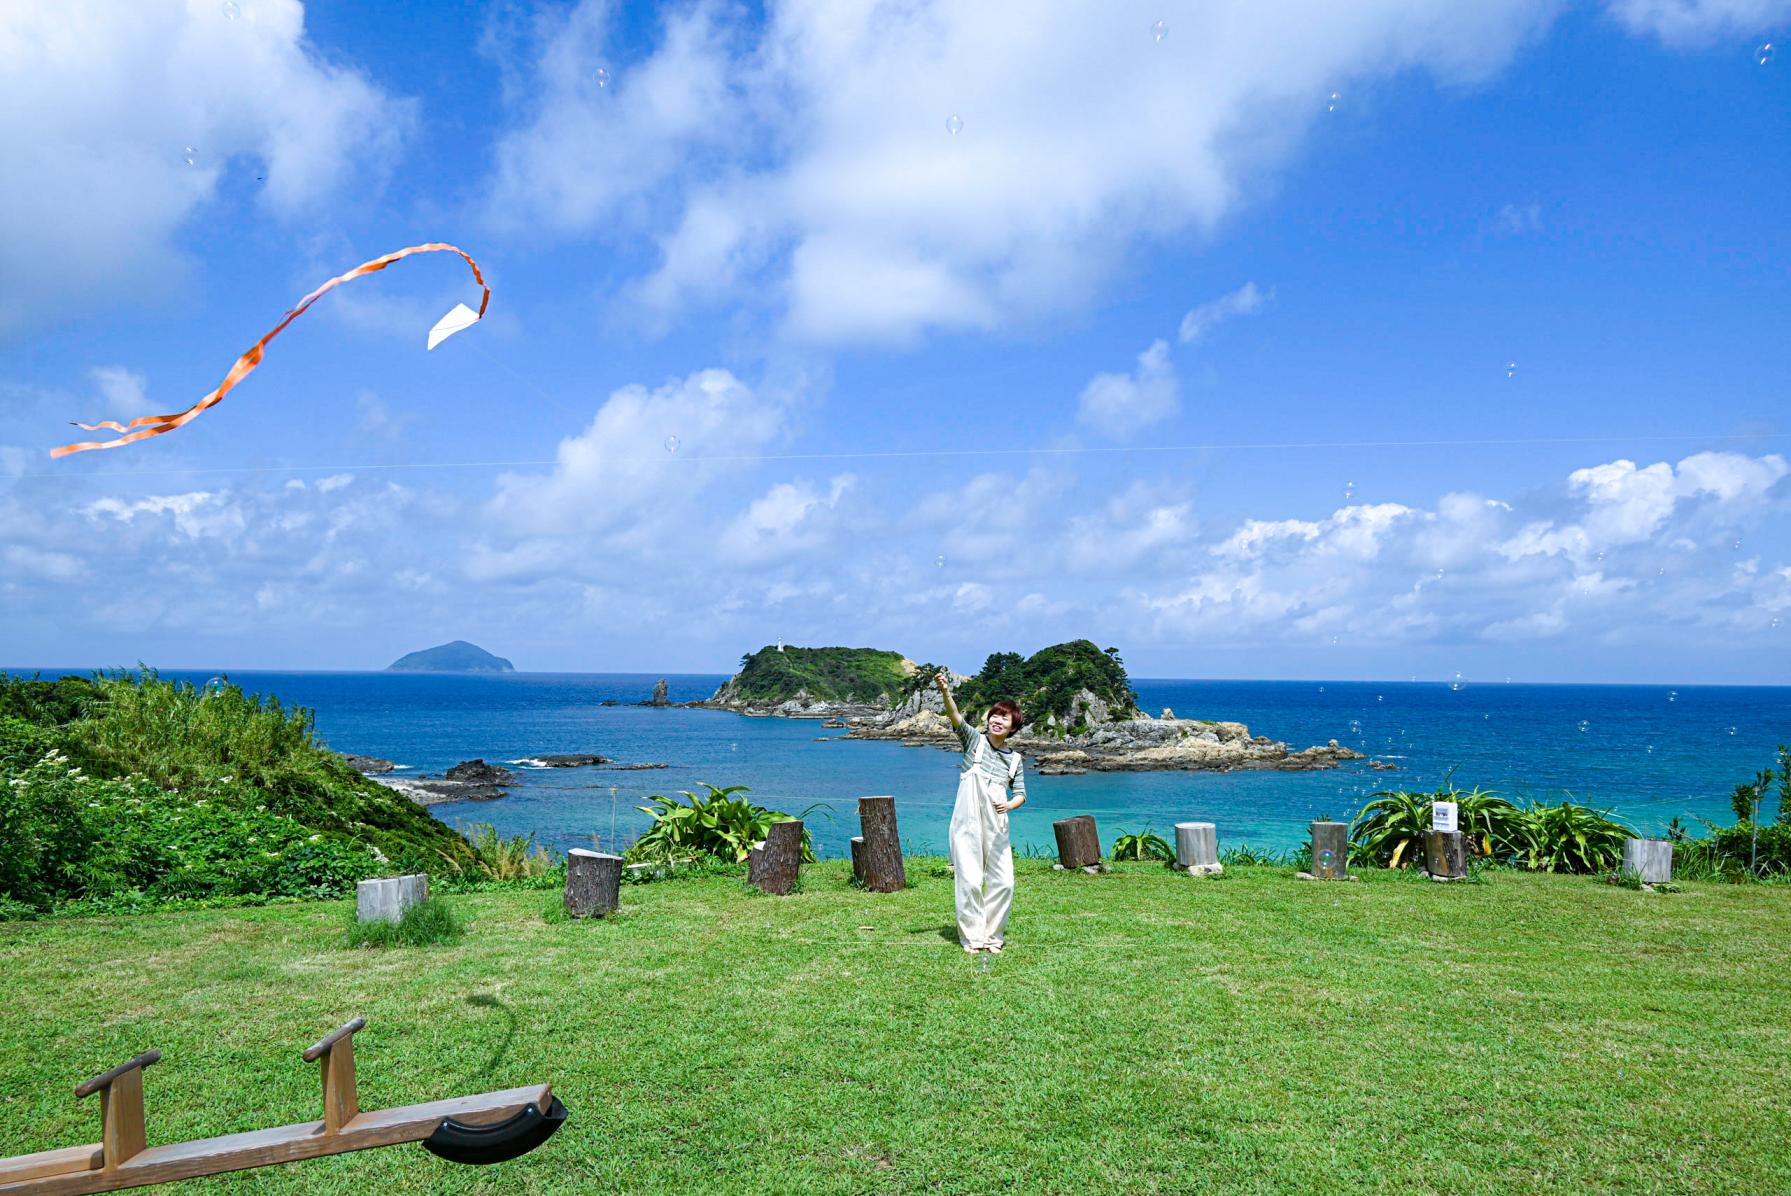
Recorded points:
(488, 1001)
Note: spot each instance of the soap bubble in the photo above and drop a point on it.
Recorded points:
(1599, 555)
(1380, 697)
(954, 124)
(231, 10)
(190, 156)
(602, 76)
(1332, 102)
(1765, 54)
(1349, 491)
(1511, 369)
(1439, 576)
(214, 687)
(1737, 545)
(1651, 749)
(733, 747)
(1355, 726)
(1775, 621)
(982, 962)
(1334, 641)
(672, 443)
(1672, 695)
(1457, 684)
(1731, 730)
(1321, 689)
(1159, 30)
(938, 562)
(1584, 726)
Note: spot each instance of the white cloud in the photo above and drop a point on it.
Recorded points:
(811, 172)
(587, 147)
(37, 562)
(122, 391)
(618, 486)
(1246, 300)
(1689, 22)
(1119, 405)
(102, 100)
(788, 520)
(1140, 525)
(1517, 219)
(195, 515)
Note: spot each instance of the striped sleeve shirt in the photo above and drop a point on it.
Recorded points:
(995, 760)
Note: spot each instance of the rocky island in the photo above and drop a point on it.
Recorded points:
(455, 657)
(1081, 711)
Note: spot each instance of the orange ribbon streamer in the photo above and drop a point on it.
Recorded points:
(155, 425)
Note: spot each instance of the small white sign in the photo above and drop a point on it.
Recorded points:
(1442, 816)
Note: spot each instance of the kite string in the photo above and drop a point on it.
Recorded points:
(943, 453)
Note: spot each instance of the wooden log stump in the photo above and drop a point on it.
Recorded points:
(1330, 851)
(858, 858)
(773, 865)
(385, 900)
(593, 883)
(1197, 848)
(1648, 860)
(1444, 858)
(883, 868)
(1078, 843)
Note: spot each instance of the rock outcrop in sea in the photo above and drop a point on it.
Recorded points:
(1104, 741)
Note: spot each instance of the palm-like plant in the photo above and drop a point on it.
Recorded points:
(1146, 846)
(1390, 829)
(1571, 838)
(714, 824)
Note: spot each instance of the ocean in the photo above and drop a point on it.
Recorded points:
(1645, 752)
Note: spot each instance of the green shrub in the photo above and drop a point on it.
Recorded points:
(497, 858)
(46, 838)
(1570, 838)
(423, 925)
(73, 837)
(1566, 837)
(47, 703)
(1145, 846)
(1390, 829)
(715, 824)
(181, 738)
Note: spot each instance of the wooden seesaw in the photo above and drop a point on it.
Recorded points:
(487, 1128)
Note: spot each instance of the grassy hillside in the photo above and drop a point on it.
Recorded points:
(1142, 1033)
(130, 784)
(832, 674)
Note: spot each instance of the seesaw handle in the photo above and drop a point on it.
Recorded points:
(89, 1087)
(332, 1038)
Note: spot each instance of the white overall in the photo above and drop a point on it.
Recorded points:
(981, 856)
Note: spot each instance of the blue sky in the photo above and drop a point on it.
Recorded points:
(1165, 347)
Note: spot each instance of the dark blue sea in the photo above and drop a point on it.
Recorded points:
(1645, 752)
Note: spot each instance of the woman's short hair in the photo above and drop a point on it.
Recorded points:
(1015, 715)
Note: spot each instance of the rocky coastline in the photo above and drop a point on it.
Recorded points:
(1137, 744)
(474, 780)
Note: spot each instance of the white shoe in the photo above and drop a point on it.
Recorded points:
(992, 948)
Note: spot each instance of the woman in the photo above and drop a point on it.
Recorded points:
(981, 855)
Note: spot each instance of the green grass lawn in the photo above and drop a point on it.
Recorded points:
(1144, 1032)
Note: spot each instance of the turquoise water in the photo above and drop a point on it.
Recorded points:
(1523, 740)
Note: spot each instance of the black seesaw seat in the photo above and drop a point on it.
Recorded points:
(458, 1142)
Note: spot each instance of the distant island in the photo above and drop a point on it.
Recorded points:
(1082, 714)
(457, 657)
